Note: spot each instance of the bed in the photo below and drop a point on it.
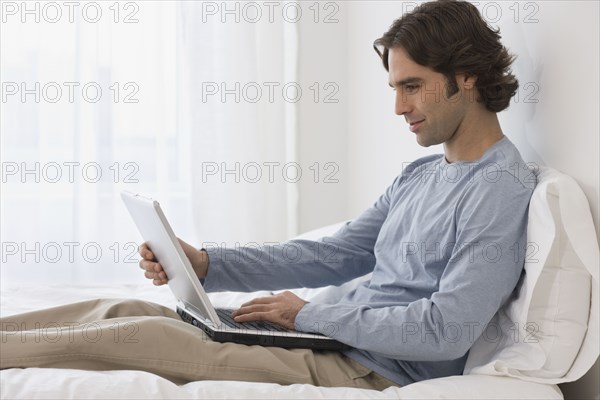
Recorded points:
(47, 383)
(564, 349)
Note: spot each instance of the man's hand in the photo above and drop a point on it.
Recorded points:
(155, 271)
(280, 309)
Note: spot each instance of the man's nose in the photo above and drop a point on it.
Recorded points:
(402, 104)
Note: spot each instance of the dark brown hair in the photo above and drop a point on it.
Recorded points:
(450, 37)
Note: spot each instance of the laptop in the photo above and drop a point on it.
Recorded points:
(193, 305)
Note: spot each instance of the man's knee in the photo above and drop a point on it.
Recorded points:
(116, 308)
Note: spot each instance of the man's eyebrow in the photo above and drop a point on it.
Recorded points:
(406, 81)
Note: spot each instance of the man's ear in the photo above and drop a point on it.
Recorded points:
(467, 81)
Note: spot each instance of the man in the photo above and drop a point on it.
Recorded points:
(445, 242)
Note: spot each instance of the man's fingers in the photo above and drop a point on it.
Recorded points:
(143, 248)
(260, 300)
(145, 252)
(256, 316)
(150, 266)
(147, 265)
(253, 308)
(155, 275)
(153, 270)
(157, 278)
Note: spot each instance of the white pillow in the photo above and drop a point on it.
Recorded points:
(555, 313)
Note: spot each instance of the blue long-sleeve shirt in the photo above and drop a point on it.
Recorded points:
(446, 245)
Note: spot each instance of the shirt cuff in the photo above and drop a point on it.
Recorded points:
(309, 320)
(211, 281)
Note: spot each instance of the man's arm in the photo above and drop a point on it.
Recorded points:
(480, 275)
(346, 254)
(332, 260)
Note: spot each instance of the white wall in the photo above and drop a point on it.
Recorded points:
(566, 130)
(323, 122)
(360, 134)
(379, 141)
(557, 47)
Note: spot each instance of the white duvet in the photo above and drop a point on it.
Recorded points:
(45, 383)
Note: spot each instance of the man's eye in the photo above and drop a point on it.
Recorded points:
(411, 88)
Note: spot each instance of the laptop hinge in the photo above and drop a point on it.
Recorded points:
(194, 309)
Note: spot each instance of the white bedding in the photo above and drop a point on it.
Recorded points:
(42, 383)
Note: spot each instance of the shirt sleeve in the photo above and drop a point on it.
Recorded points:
(483, 268)
(331, 260)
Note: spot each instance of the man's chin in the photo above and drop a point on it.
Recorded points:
(428, 141)
(422, 142)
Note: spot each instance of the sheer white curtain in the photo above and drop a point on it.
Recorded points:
(91, 108)
(239, 109)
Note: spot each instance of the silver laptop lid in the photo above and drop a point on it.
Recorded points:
(156, 231)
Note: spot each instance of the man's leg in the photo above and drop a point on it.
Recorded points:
(132, 334)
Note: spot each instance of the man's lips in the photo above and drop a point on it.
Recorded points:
(415, 125)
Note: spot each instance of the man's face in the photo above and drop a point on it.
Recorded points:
(421, 97)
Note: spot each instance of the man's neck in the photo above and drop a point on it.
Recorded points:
(473, 138)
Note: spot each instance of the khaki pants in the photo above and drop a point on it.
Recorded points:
(131, 334)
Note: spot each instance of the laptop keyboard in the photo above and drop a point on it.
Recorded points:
(225, 317)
